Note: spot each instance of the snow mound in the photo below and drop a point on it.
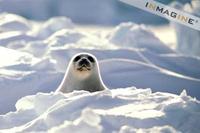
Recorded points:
(136, 36)
(13, 22)
(188, 43)
(124, 110)
(129, 55)
(63, 37)
(15, 39)
(15, 57)
(52, 25)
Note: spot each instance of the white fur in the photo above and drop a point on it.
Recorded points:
(86, 80)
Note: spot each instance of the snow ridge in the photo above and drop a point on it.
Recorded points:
(122, 110)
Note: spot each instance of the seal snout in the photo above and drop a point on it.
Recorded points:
(84, 64)
(82, 74)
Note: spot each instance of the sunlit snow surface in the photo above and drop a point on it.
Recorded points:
(34, 57)
(189, 42)
(125, 110)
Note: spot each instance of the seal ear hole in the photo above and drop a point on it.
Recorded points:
(77, 58)
(91, 59)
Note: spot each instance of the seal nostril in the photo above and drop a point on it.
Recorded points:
(82, 77)
(84, 62)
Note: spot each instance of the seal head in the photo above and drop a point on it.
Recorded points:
(82, 74)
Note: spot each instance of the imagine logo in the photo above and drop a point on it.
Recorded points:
(169, 13)
(166, 12)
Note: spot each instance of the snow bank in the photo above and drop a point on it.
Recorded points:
(52, 25)
(35, 60)
(13, 22)
(189, 42)
(133, 35)
(124, 110)
(11, 57)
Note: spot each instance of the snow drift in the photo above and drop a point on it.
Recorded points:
(189, 42)
(34, 57)
(124, 110)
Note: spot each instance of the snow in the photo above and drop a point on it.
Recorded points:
(13, 22)
(132, 35)
(34, 60)
(15, 57)
(184, 43)
(52, 25)
(83, 12)
(120, 110)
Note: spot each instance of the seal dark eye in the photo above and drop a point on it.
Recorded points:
(91, 59)
(77, 58)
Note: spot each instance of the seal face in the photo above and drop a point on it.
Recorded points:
(82, 74)
(83, 65)
(83, 62)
